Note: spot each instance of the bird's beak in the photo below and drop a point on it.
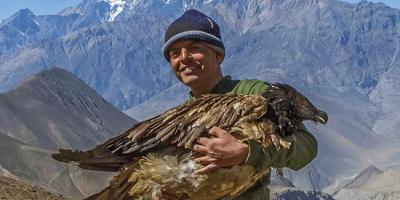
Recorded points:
(321, 117)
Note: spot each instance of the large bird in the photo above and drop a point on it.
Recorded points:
(155, 155)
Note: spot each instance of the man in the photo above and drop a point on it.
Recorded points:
(194, 48)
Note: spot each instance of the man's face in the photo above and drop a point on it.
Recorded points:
(194, 63)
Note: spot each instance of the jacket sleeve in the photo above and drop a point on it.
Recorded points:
(303, 150)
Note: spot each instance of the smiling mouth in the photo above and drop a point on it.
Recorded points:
(188, 70)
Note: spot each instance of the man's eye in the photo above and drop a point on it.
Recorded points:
(173, 54)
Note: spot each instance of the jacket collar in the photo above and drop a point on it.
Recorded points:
(225, 85)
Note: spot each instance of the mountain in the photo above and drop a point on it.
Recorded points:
(119, 10)
(25, 29)
(17, 30)
(47, 111)
(290, 193)
(282, 189)
(87, 52)
(386, 94)
(55, 109)
(119, 49)
(372, 183)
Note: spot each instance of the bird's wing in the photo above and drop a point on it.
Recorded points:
(178, 127)
(183, 125)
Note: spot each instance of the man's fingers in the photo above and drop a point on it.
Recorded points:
(208, 168)
(205, 160)
(200, 149)
(217, 132)
(204, 141)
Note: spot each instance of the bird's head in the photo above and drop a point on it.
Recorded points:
(305, 109)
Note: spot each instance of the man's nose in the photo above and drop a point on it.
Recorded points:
(185, 54)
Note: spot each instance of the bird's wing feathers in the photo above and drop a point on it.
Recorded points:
(97, 159)
(178, 127)
(182, 125)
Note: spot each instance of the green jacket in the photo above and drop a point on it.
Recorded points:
(301, 152)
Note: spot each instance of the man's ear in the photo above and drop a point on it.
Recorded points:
(220, 58)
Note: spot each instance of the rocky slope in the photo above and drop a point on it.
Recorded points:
(18, 190)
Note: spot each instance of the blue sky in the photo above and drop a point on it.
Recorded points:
(40, 7)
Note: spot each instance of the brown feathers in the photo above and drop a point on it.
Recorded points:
(172, 175)
(182, 125)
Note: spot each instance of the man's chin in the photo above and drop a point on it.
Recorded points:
(190, 80)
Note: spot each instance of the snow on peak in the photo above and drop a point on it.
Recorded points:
(168, 1)
(116, 6)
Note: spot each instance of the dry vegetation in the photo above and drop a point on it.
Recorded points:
(11, 189)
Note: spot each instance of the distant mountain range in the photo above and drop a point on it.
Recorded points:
(371, 183)
(344, 56)
(115, 47)
(282, 189)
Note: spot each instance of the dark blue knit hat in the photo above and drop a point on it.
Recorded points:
(194, 25)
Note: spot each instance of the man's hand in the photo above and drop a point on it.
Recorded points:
(222, 151)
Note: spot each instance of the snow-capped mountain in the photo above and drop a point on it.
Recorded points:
(121, 47)
(344, 56)
(116, 10)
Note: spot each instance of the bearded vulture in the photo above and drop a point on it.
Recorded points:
(155, 155)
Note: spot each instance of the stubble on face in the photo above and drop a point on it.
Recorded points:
(194, 63)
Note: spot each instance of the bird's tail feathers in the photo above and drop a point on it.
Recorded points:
(96, 159)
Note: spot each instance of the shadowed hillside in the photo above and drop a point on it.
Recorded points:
(11, 189)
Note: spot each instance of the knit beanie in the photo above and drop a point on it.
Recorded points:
(194, 25)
